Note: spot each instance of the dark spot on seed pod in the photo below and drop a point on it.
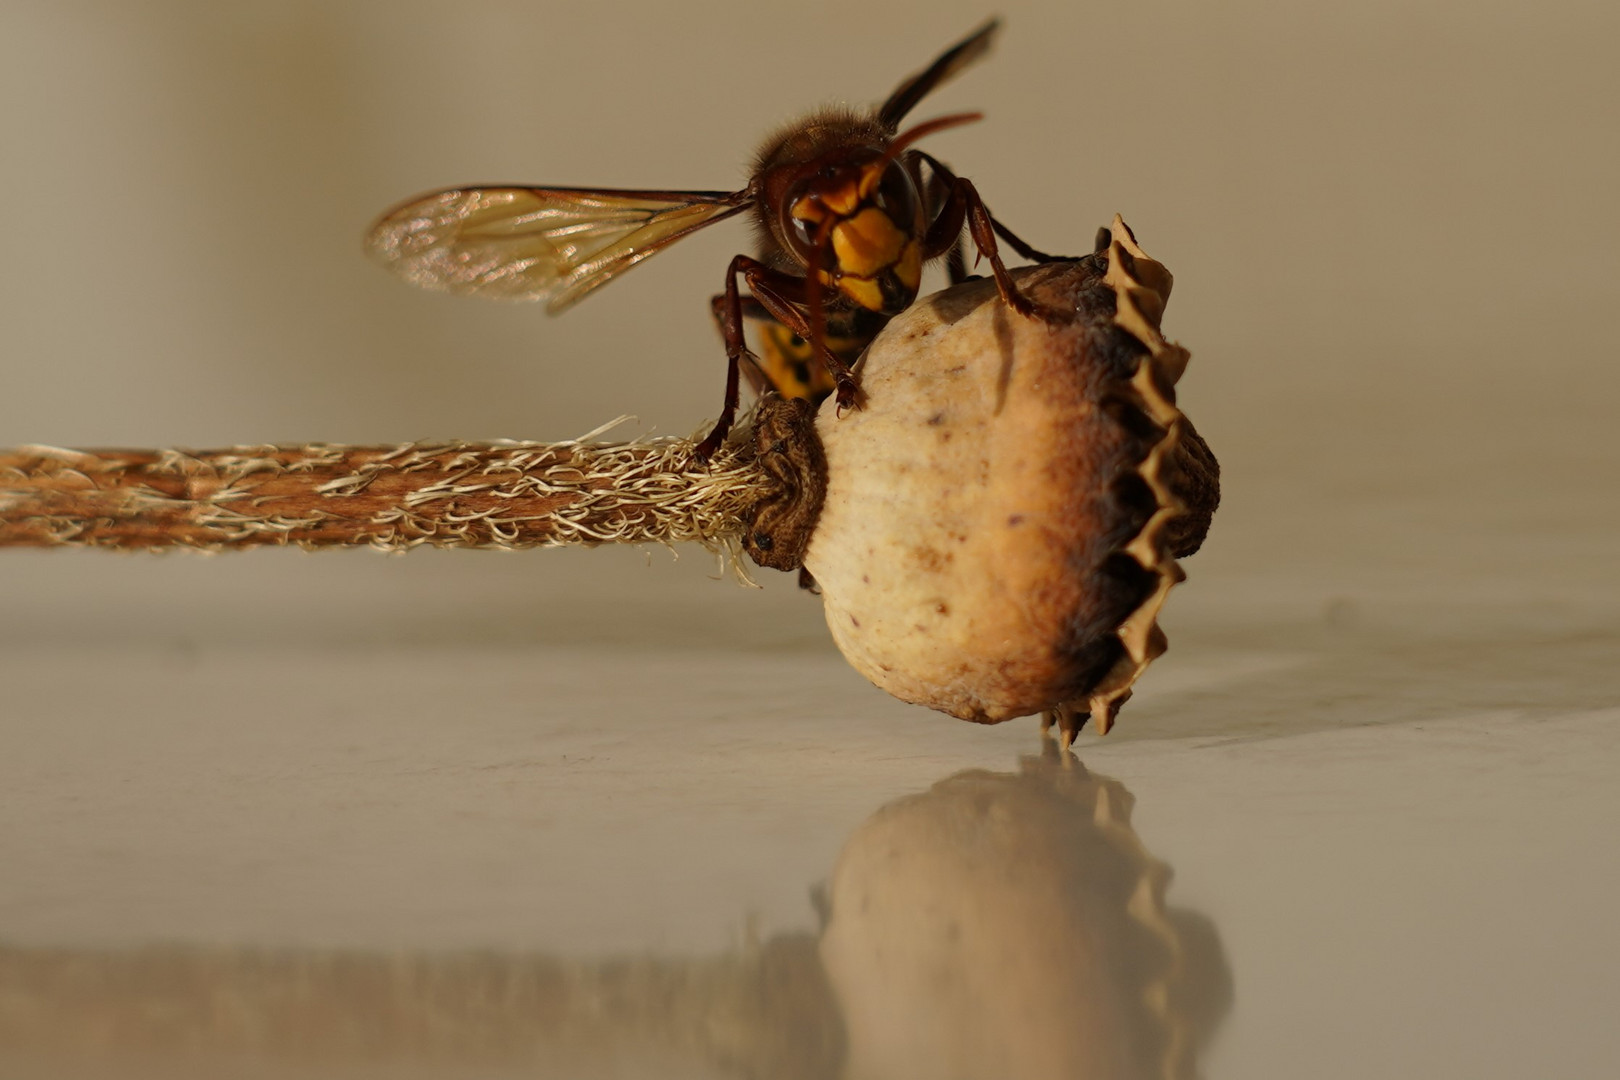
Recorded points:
(1016, 519)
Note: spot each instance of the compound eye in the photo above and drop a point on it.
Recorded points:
(896, 196)
(801, 234)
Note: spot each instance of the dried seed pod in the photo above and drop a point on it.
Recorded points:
(1003, 513)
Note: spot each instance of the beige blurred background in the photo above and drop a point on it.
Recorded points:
(1396, 241)
(1393, 228)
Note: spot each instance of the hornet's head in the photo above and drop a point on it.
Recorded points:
(839, 194)
(857, 222)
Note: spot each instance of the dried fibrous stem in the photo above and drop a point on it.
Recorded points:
(446, 494)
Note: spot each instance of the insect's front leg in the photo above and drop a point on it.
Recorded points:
(779, 294)
(783, 295)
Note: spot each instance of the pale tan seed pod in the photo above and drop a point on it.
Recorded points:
(1004, 511)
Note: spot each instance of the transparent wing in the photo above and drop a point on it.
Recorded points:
(525, 243)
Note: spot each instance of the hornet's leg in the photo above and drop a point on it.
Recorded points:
(779, 294)
(964, 204)
(728, 311)
(752, 369)
(785, 297)
(943, 173)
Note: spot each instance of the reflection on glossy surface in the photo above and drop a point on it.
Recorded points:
(1000, 924)
(198, 1012)
(1014, 925)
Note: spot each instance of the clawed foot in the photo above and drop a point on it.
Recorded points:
(705, 450)
(848, 394)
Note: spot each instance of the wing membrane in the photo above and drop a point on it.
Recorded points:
(523, 243)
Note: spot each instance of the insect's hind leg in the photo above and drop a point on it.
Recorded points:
(1019, 246)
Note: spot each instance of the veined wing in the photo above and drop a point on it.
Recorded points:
(525, 243)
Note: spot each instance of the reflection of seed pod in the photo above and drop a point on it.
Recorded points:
(1003, 513)
(999, 924)
(1014, 925)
